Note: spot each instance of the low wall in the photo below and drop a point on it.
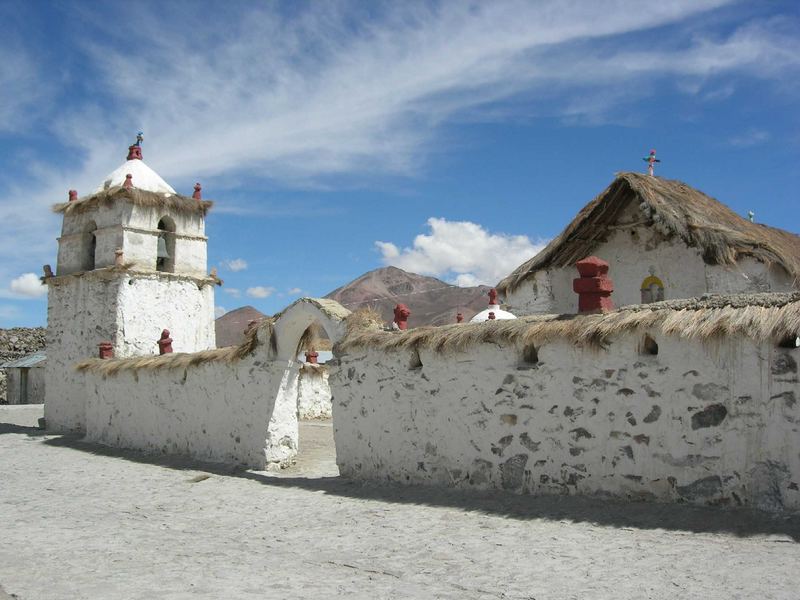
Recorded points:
(217, 411)
(705, 424)
(313, 393)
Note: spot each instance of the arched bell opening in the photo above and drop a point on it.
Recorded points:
(165, 249)
(89, 246)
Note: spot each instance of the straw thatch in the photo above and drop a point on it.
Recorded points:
(174, 203)
(760, 317)
(179, 360)
(130, 268)
(677, 210)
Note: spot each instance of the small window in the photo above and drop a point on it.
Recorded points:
(530, 356)
(415, 362)
(791, 342)
(165, 249)
(648, 346)
(652, 290)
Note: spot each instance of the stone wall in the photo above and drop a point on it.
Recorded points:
(16, 343)
(704, 424)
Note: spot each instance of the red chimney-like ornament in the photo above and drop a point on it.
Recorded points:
(492, 297)
(128, 184)
(197, 195)
(401, 314)
(593, 287)
(165, 343)
(106, 350)
(73, 195)
(134, 153)
(459, 317)
(312, 356)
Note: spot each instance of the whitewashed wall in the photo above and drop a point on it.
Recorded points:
(234, 413)
(706, 425)
(631, 253)
(314, 393)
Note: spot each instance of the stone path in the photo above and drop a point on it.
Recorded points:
(79, 521)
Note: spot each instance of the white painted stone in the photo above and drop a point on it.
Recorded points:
(314, 393)
(499, 314)
(612, 422)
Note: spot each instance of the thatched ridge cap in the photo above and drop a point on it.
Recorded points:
(678, 209)
(759, 317)
(136, 196)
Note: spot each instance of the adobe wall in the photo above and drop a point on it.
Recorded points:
(240, 413)
(631, 253)
(698, 424)
(314, 393)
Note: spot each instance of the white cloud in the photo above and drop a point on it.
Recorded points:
(235, 265)
(751, 137)
(294, 291)
(219, 311)
(28, 285)
(260, 291)
(235, 292)
(461, 252)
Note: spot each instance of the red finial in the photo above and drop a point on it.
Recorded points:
(106, 350)
(165, 343)
(459, 317)
(73, 195)
(134, 152)
(401, 314)
(312, 356)
(492, 297)
(128, 181)
(491, 316)
(197, 192)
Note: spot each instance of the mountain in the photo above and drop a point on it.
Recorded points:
(230, 327)
(431, 301)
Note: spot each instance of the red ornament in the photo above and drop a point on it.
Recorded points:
(492, 297)
(73, 195)
(128, 181)
(165, 343)
(134, 152)
(459, 318)
(593, 287)
(401, 314)
(197, 192)
(106, 350)
(312, 356)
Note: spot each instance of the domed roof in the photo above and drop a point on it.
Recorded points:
(142, 176)
(493, 309)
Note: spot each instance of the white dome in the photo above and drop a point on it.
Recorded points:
(143, 178)
(498, 314)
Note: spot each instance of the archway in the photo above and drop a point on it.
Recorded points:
(301, 426)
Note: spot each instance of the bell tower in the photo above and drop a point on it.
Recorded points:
(131, 263)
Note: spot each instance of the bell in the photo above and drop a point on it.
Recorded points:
(162, 248)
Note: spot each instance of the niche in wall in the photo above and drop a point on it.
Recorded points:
(165, 255)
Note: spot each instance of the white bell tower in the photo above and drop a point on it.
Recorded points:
(131, 262)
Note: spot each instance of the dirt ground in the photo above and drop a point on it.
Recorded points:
(82, 521)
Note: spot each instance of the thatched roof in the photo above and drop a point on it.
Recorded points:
(761, 317)
(677, 210)
(173, 203)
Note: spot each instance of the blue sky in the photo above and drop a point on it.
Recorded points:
(451, 139)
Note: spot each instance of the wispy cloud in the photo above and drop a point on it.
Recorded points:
(235, 264)
(331, 91)
(233, 292)
(462, 252)
(751, 137)
(260, 291)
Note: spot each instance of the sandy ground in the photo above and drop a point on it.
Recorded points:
(81, 521)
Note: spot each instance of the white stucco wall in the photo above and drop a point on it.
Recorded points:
(219, 412)
(129, 310)
(147, 304)
(631, 253)
(314, 393)
(706, 425)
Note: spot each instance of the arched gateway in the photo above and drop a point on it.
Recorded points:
(291, 323)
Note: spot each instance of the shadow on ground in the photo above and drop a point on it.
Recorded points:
(599, 511)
